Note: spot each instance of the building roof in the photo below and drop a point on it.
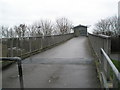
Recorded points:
(79, 26)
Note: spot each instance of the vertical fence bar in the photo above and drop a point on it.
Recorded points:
(108, 71)
(20, 74)
(115, 83)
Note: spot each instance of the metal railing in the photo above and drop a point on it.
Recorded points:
(18, 60)
(110, 76)
(26, 46)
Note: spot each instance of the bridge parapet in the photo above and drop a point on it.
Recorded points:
(108, 74)
(23, 46)
(100, 41)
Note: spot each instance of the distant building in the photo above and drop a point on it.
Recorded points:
(80, 30)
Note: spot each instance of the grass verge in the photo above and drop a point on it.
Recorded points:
(117, 64)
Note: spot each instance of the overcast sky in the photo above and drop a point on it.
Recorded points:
(85, 12)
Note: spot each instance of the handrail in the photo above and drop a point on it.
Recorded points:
(115, 70)
(18, 60)
(100, 35)
(10, 58)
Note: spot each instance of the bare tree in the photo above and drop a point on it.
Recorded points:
(63, 25)
(9, 34)
(55, 31)
(23, 29)
(102, 26)
(114, 25)
(12, 33)
(36, 29)
(18, 31)
(108, 26)
(43, 27)
(5, 31)
(31, 31)
(46, 27)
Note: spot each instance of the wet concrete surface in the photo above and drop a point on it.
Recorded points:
(69, 65)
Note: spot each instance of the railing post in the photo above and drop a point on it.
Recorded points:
(108, 52)
(115, 83)
(101, 60)
(108, 72)
(102, 70)
(20, 74)
(105, 69)
(108, 45)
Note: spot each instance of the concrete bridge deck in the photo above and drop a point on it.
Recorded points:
(69, 65)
